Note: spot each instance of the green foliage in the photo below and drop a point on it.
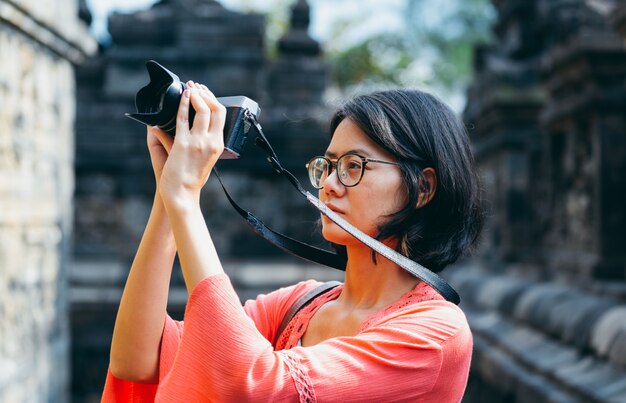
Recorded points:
(433, 48)
(378, 59)
(429, 43)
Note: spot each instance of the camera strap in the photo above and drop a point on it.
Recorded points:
(322, 256)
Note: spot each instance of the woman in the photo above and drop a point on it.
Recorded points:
(399, 168)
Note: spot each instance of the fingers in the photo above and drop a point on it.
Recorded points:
(218, 111)
(210, 114)
(182, 117)
(203, 111)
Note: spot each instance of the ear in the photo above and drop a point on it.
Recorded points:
(428, 187)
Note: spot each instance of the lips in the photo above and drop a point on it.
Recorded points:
(334, 208)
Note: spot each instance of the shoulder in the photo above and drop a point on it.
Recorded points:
(288, 294)
(268, 310)
(284, 296)
(436, 321)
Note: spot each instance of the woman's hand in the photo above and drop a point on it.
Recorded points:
(159, 146)
(195, 150)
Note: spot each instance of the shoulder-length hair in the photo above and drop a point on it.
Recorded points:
(420, 131)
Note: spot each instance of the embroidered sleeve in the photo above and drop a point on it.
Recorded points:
(300, 376)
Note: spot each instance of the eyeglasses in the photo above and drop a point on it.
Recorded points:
(350, 168)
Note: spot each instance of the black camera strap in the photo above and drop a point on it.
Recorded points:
(284, 242)
(322, 256)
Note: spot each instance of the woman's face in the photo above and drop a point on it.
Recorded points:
(381, 191)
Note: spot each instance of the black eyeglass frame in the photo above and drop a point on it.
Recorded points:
(331, 164)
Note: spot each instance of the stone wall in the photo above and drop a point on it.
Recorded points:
(203, 41)
(546, 300)
(39, 43)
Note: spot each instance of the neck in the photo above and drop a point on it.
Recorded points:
(370, 285)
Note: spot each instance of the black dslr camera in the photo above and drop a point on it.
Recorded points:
(157, 104)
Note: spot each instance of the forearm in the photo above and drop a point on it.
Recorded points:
(142, 310)
(196, 252)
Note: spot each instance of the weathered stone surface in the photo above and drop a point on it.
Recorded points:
(501, 378)
(515, 362)
(39, 41)
(585, 75)
(534, 304)
(596, 378)
(573, 319)
(615, 393)
(501, 293)
(56, 29)
(495, 367)
(546, 117)
(505, 102)
(548, 356)
(467, 280)
(525, 365)
(617, 353)
(551, 62)
(618, 18)
(522, 339)
(532, 388)
(606, 330)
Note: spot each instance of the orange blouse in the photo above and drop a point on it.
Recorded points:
(416, 349)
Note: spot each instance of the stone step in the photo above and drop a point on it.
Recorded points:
(544, 340)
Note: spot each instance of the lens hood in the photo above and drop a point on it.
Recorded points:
(157, 105)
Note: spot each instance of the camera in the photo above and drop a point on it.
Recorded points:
(157, 105)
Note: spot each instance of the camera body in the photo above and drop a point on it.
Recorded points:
(157, 105)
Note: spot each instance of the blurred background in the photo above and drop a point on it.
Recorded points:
(540, 84)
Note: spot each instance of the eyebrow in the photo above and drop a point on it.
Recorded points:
(359, 151)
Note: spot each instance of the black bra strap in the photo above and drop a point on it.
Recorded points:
(304, 300)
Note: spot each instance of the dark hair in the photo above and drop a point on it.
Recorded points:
(421, 131)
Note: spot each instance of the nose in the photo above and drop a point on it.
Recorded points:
(332, 185)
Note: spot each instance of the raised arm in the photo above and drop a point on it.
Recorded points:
(181, 168)
(194, 153)
(141, 315)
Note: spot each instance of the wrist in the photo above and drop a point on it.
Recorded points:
(157, 203)
(180, 200)
(158, 214)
